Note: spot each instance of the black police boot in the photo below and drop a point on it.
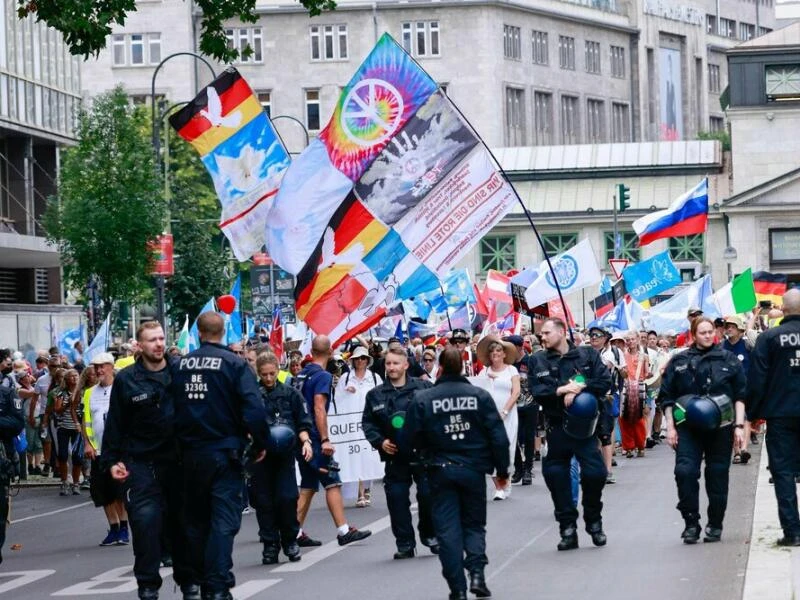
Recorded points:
(691, 533)
(148, 593)
(527, 477)
(516, 477)
(270, 554)
(225, 595)
(477, 584)
(596, 531)
(432, 543)
(789, 540)
(191, 591)
(462, 595)
(166, 560)
(713, 534)
(292, 552)
(402, 554)
(569, 537)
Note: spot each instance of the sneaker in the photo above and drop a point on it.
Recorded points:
(110, 539)
(87, 484)
(247, 510)
(123, 539)
(499, 495)
(640, 453)
(508, 491)
(610, 478)
(354, 535)
(46, 470)
(361, 502)
(306, 542)
(614, 462)
(745, 457)
(76, 491)
(754, 438)
(64, 489)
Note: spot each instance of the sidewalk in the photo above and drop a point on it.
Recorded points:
(772, 572)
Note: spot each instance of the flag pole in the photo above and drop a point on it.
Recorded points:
(524, 209)
(446, 310)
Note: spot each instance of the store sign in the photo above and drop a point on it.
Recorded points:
(784, 245)
(675, 12)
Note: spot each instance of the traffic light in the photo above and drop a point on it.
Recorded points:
(624, 196)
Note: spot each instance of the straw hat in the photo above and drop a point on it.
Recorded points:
(359, 352)
(483, 350)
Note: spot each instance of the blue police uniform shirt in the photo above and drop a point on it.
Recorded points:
(316, 380)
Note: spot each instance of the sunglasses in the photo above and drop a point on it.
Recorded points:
(360, 358)
(427, 359)
(596, 335)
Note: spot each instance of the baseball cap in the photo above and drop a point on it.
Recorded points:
(737, 321)
(103, 358)
(694, 311)
(514, 339)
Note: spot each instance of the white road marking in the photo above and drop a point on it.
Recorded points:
(251, 588)
(119, 580)
(517, 554)
(328, 550)
(52, 512)
(20, 578)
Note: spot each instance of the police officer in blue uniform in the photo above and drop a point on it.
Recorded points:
(273, 485)
(556, 375)
(460, 436)
(140, 451)
(382, 421)
(217, 404)
(11, 423)
(704, 369)
(773, 394)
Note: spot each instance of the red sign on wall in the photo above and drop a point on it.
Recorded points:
(162, 256)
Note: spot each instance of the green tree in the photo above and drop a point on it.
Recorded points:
(109, 201)
(199, 257)
(87, 24)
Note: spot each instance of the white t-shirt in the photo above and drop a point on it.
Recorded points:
(41, 386)
(98, 406)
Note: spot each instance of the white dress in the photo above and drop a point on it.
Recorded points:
(498, 384)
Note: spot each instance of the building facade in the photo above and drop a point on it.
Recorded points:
(39, 94)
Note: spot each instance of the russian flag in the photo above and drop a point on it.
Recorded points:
(687, 215)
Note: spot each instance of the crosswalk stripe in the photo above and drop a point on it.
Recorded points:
(251, 588)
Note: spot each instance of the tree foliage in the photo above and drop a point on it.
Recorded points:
(199, 258)
(109, 201)
(86, 24)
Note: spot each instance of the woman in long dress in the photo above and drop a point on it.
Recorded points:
(501, 379)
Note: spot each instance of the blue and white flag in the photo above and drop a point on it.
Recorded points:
(605, 286)
(66, 341)
(194, 335)
(651, 277)
(614, 320)
(575, 269)
(457, 288)
(671, 314)
(99, 343)
(233, 322)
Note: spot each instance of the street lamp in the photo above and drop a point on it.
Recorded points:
(156, 139)
(296, 120)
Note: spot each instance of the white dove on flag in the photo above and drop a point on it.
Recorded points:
(214, 114)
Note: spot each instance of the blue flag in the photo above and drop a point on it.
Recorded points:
(651, 277)
(99, 343)
(398, 333)
(605, 286)
(671, 314)
(194, 335)
(66, 341)
(233, 322)
(613, 320)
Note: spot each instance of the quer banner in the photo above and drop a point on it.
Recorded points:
(356, 457)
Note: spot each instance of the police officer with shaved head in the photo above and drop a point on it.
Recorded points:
(217, 404)
(457, 430)
(773, 394)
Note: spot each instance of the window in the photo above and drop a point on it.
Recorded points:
(566, 52)
(593, 57)
(595, 121)
(515, 117)
(570, 125)
(620, 123)
(498, 252)
(118, 50)
(312, 110)
(783, 82)
(265, 99)
(543, 118)
(541, 51)
(628, 245)
(763, 30)
(137, 49)
(746, 31)
(618, 62)
(713, 79)
(243, 38)
(716, 124)
(512, 43)
(154, 48)
(688, 247)
(421, 38)
(711, 24)
(556, 243)
(727, 27)
(329, 42)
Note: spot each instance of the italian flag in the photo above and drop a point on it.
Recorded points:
(183, 338)
(738, 296)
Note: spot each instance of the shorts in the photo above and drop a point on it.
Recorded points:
(70, 443)
(311, 477)
(102, 487)
(34, 437)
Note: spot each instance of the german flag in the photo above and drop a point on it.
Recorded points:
(602, 304)
(217, 112)
(770, 286)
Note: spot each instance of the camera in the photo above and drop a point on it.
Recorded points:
(765, 304)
